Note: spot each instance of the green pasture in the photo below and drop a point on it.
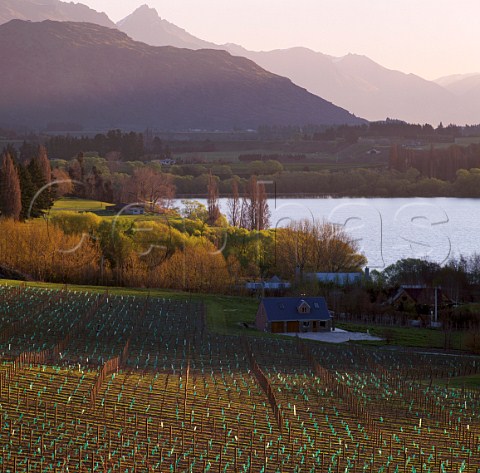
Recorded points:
(408, 336)
(467, 382)
(78, 205)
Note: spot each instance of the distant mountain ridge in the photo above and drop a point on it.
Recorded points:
(454, 79)
(145, 25)
(101, 78)
(461, 84)
(353, 82)
(39, 10)
(361, 85)
(466, 87)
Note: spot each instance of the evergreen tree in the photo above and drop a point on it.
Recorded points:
(42, 200)
(10, 195)
(27, 190)
(27, 152)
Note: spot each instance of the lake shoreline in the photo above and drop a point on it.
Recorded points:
(388, 229)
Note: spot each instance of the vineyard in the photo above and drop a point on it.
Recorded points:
(96, 382)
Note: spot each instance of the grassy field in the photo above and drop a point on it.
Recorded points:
(468, 382)
(317, 160)
(78, 205)
(407, 336)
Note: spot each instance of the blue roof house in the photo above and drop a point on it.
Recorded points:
(293, 314)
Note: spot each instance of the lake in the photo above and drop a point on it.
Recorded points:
(387, 229)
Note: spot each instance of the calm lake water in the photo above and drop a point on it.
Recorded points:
(391, 229)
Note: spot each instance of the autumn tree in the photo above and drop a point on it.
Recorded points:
(43, 164)
(63, 182)
(212, 200)
(154, 188)
(199, 267)
(10, 193)
(76, 171)
(316, 247)
(44, 252)
(393, 157)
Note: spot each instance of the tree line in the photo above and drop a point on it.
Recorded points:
(122, 181)
(25, 190)
(170, 252)
(114, 144)
(437, 163)
(351, 133)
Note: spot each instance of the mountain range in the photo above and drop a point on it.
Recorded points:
(466, 87)
(363, 86)
(39, 10)
(99, 77)
(353, 82)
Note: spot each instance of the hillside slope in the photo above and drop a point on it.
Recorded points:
(99, 77)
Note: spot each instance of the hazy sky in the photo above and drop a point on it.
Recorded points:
(430, 38)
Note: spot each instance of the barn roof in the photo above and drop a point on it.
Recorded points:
(286, 308)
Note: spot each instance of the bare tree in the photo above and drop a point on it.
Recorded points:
(262, 210)
(234, 205)
(257, 212)
(244, 218)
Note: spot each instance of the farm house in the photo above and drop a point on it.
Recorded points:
(293, 314)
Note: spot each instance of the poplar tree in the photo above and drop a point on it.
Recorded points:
(258, 213)
(10, 195)
(213, 208)
(43, 164)
(234, 205)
